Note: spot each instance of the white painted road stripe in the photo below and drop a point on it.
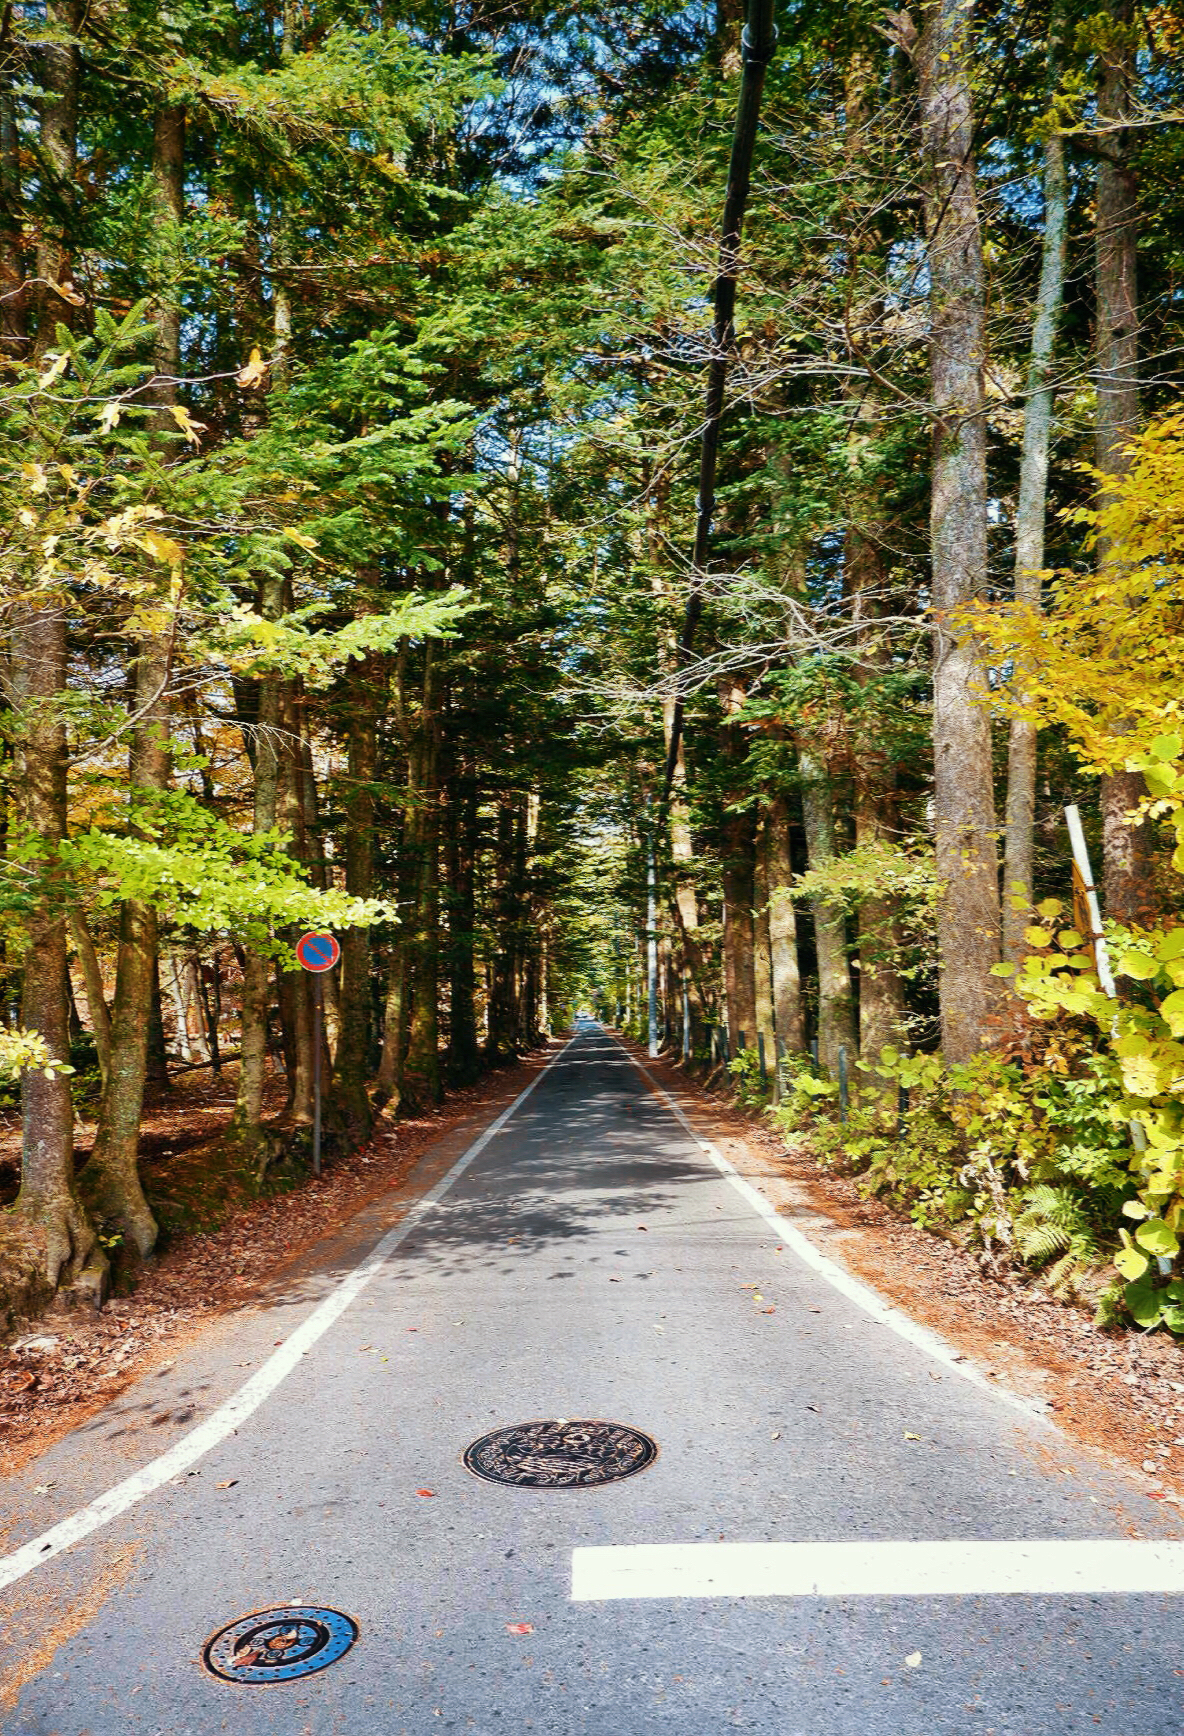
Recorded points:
(1102, 1568)
(242, 1404)
(839, 1279)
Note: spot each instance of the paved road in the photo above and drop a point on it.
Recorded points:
(533, 1290)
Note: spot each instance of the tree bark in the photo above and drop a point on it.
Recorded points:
(421, 1064)
(246, 1122)
(367, 684)
(97, 1012)
(739, 929)
(968, 914)
(1030, 511)
(14, 334)
(836, 1000)
(112, 1177)
(762, 963)
(783, 935)
(460, 846)
(57, 298)
(47, 1195)
(1126, 849)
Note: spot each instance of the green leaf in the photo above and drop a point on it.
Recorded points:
(1139, 965)
(1157, 1238)
(1172, 1011)
(1144, 1303)
(1050, 907)
(1003, 970)
(1038, 936)
(1167, 747)
(1172, 945)
(1131, 1263)
(1069, 938)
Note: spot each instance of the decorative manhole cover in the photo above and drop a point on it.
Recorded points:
(276, 1645)
(559, 1454)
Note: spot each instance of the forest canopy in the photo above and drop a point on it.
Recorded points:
(652, 509)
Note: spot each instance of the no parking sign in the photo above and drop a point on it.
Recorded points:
(318, 952)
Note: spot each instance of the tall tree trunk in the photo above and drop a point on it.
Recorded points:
(14, 334)
(1030, 512)
(783, 936)
(739, 929)
(246, 1122)
(499, 1039)
(421, 1065)
(368, 686)
(968, 914)
(295, 985)
(98, 1015)
(1126, 849)
(836, 1000)
(57, 298)
(112, 1177)
(460, 845)
(47, 1195)
(762, 963)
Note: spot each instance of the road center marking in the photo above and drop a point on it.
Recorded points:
(235, 1410)
(1095, 1568)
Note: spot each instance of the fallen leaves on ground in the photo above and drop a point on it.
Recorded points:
(913, 1659)
(88, 1359)
(519, 1627)
(909, 1436)
(425, 1492)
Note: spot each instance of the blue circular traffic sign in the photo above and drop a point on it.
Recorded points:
(318, 952)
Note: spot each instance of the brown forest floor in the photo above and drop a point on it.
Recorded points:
(77, 1362)
(1120, 1392)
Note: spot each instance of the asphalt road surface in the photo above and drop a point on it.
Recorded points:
(591, 1261)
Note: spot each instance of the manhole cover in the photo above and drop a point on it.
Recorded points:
(276, 1645)
(560, 1455)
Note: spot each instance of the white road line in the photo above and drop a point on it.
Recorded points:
(235, 1410)
(1101, 1568)
(839, 1279)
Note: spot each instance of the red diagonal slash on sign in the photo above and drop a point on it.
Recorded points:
(318, 952)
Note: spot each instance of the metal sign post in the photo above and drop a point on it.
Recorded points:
(317, 953)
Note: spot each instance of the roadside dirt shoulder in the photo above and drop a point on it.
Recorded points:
(69, 1365)
(1120, 1393)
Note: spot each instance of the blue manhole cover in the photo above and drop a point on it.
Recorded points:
(558, 1454)
(277, 1645)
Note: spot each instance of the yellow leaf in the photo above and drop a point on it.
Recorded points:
(298, 537)
(55, 370)
(911, 1437)
(34, 475)
(192, 430)
(110, 416)
(255, 369)
(161, 548)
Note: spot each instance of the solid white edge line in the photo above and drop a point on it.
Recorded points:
(1037, 1568)
(235, 1410)
(836, 1276)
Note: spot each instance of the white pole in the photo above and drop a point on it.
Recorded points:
(1081, 857)
(1101, 953)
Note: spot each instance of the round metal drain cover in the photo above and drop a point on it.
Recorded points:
(277, 1645)
(560, 1455)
